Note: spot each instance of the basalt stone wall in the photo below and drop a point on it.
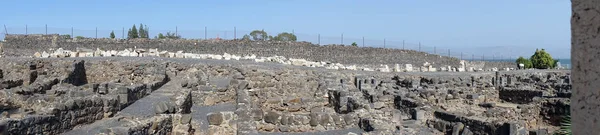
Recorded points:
(519, 96)
(554, 110)
(27, 45)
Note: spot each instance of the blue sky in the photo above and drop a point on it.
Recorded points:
(474, 27)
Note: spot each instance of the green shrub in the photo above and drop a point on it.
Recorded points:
(354, 44)
(542, 60)
(79, 37)
(66, 36)
(246, 37)
(525, 62)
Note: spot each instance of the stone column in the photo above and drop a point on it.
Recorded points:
(585, 55)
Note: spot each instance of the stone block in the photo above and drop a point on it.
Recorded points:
(256, 114)
(185, 119)
(314, 119)
(418, 114)
(539, 132)
(467, 131)
(473, 96)
(164, 108)
(45, 54)
(408, 67)
(220, 83)
(378, 105)
(458, 127)
(272, 117)
(216, 118)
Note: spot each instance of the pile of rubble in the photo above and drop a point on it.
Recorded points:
(426, 67)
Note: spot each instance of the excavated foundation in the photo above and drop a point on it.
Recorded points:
(179, 96)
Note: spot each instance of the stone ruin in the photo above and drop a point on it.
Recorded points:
(156, 95)
(464, 66)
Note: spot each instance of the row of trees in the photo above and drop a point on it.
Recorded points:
(256, 35)
(143, 32)
(261, 35)
(539, 60)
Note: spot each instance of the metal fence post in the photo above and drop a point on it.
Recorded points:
(342, 38)
(363, 41)
(96, 32)
(72, 35)
(5, 30)
(234, 33)
(419, 46)
(448, 52)
(46, 29)
(403, 45)
(176, 34)
(319, 39)
(123, 33)
(205, 33)
(384, 43)
(25, 29)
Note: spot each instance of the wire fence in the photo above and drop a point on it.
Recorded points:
(235, 33)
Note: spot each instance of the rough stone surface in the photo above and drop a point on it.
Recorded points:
(585, 28)
(243, 97)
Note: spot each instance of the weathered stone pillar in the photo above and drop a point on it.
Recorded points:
(585, 55)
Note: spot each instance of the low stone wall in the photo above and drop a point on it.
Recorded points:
(481, 127)
(519, 96)
(25, 45)
(554, 110)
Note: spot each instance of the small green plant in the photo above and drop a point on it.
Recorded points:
(354, 44)
(565, 126)
(79, 37)
(169, 35)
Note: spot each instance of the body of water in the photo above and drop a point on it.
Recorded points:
(563, 62)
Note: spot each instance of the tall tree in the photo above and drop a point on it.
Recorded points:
(141, 31)
(112, 34)
(146, 31)
(133, 33)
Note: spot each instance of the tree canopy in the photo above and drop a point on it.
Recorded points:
(259, 35)
(539, 60)
(112, 34)
(542, 60)
(132, 33)
(285, 37)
